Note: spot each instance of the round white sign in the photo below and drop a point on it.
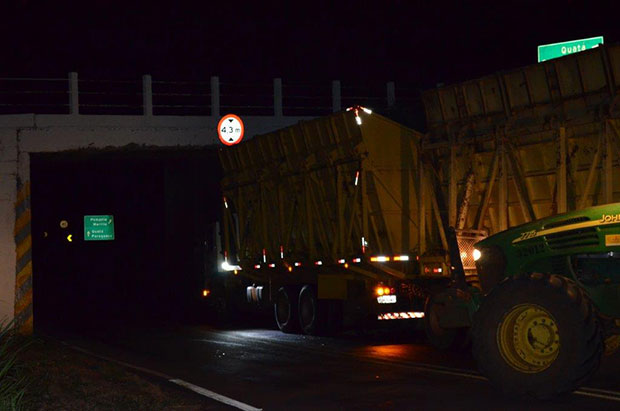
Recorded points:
(230, 129)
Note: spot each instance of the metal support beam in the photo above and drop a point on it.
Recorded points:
(520, 185)
(215, 96)
(561, 175)
(440, 227)
(421, 207)
(503, 190)
(277, 97)
(147, 95)
(364, 192)
(486, 197)
(452, 186)
(592, 174)
(609, 182)
(74, 105)
(310, 222)
(464, 207)
(340, 204)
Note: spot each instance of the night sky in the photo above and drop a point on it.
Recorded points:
(421, 43)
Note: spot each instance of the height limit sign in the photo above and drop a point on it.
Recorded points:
(230, 129)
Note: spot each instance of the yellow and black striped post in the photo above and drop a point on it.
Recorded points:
(23, 268)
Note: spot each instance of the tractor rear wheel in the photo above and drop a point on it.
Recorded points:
(537, 335)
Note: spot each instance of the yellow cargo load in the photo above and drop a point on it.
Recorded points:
(322, 191)
(528, 143)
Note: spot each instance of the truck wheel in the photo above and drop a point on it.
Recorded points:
(308, 311)
(285, 309)
(537, 335)
(439, 337)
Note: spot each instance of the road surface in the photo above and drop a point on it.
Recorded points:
(264, 368)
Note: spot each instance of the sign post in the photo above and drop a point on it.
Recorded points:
(555, 50)
(98, 227)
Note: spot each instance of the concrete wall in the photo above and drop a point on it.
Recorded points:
(28, 133)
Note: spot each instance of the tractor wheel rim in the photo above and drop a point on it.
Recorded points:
(528, 338)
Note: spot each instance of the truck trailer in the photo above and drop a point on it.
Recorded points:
(320, 220)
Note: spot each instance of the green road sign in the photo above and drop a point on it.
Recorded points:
(555, 50)
(98, 227)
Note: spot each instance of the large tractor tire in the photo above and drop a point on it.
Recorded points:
(285, 309)
(537, 335)
(444, 339)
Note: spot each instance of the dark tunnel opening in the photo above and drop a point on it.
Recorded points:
(163, 203)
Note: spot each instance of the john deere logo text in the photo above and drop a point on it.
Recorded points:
(610, 218)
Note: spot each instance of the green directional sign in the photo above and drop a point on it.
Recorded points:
(555, 50)
(98, 227)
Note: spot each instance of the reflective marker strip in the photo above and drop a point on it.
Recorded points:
(23, 268)
(213, 395)
(202, 391)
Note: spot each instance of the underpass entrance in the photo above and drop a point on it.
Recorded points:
(119, 236)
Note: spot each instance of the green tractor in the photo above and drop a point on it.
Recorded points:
(548, 302)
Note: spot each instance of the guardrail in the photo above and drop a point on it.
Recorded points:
(150, 97)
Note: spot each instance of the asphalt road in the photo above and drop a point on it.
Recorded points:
(393, 369)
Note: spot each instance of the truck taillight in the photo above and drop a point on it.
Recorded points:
(381, 290)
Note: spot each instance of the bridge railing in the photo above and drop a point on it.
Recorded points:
(148, 96)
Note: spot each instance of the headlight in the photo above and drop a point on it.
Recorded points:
(477, 254)
(229, 267)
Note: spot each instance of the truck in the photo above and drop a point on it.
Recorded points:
(319, 222)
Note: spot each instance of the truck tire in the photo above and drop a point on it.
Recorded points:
(443, 339)
(285, 309)
(537, 335)
(309, 320)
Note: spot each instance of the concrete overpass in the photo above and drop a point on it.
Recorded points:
(21, 135)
